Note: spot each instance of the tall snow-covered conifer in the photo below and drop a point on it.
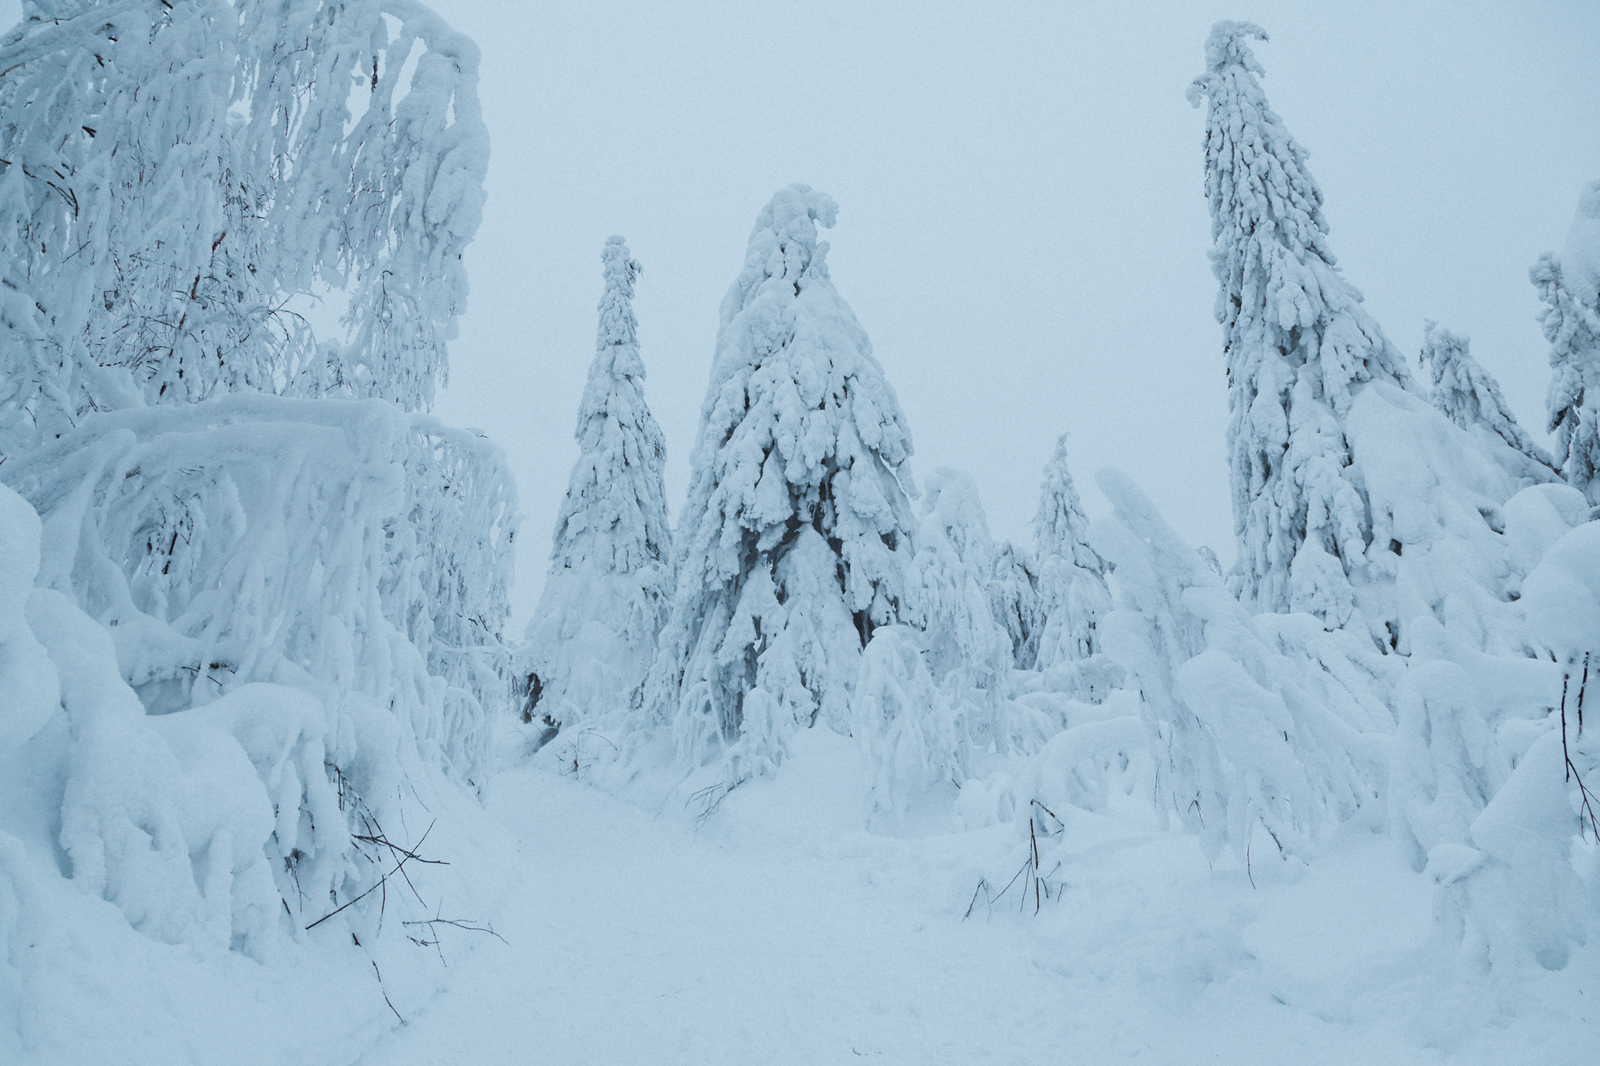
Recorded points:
(1297, 343)
(592, 638)
(1468, 395)
(792, 545)
(1569, 285)
(1072, 576)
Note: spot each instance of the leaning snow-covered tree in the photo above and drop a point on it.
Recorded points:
(1072, 576)
(1297, 342)
(793, 542)
(593, 635)
(1468, 395)
(1569, 285)
(181, 183)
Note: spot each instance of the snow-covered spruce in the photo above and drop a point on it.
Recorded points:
(134, 275)
(1072, 581)
(1569, 286)
(1468, 395)
(793, 543)
(592, 637)
(1298, 344)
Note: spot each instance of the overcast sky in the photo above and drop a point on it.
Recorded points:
(1022, 227)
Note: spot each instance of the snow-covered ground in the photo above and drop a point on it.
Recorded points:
(782, 929)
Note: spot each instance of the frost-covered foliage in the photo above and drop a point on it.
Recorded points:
(967, 650)
(1468, 395)
(593, 635)
(1298, 345)
(182, 182)
(1072, 581)
(252, 822)
(911, 729)
(246, 539)
(1266, 723)
(968, 653)
(1504, 770)
(1441, 543)
(792, 545)
(1013, 588)
(1569, 286)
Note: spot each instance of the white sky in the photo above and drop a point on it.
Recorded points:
(1022, 226)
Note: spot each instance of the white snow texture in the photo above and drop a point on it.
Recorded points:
(255, 690)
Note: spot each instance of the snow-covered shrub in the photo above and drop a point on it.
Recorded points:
(1072, 577)
(1265, 722)
(1519, 764)
(593, 635)
(182, 181)
(251, 538)
(26, 677)
(236, 825)
(1014, 600)
(793, 542)
(968, 654)
(909, 727)
(1436, 495)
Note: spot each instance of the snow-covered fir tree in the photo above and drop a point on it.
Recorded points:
(1468, 395)
(793, 542)
(1569, 286)
(1072, 576)
(968, 652)
(592, 638)
(1298, 345)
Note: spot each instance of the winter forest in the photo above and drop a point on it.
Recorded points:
(797, 758)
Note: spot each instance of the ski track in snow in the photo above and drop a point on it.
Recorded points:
(766, 937)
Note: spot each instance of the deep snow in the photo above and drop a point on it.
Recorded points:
(781, 929)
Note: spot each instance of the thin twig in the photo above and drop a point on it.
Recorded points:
(381, 880)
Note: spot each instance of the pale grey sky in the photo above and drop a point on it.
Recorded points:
(1022, 228)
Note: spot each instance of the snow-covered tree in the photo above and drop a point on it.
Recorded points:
(182, 181)
(1569, 285)
(1013, 587)
(792, 545)
(1298, 345)
(1254, 722)
(967, 649)
(272, 587)
(1072, 576)
(968, 652)
(593, 635)
(1469, 396)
